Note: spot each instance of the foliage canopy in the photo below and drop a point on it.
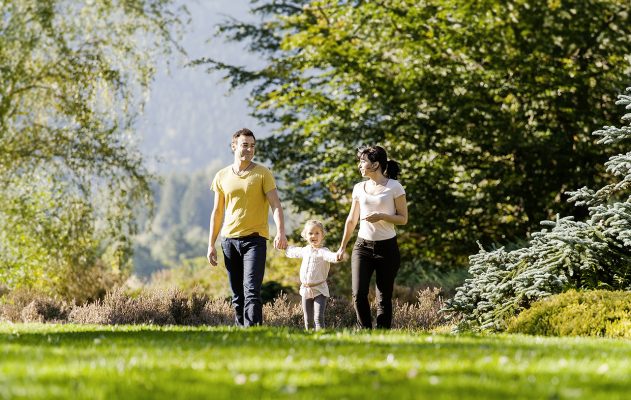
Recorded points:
(74, 75)
(487, 104)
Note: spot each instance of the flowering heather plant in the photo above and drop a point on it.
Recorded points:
(172, 307)
(26, 305)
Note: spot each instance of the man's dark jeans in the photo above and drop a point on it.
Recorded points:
(383, 258)
(245, 262)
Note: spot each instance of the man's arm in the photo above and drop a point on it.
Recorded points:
(280, 241)
(216, 219)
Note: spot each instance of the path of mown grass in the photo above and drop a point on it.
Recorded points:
(127, 362)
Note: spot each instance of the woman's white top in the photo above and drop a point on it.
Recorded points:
(314, 269)
(382, 202)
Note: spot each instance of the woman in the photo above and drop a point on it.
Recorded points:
(378, 204)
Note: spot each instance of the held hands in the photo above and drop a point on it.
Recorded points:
(373, 217)
(341, 254)
(280, 242)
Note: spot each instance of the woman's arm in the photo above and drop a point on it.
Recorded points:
(399, 218)
(349, 227)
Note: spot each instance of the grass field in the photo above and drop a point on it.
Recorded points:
(127, 362)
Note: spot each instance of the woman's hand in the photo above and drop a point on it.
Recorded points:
(373, 217)
(341, 254)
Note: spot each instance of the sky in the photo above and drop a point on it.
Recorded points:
(190, 116)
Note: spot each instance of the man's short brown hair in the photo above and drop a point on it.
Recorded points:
(242, 132)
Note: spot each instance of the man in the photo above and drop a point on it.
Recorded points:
(244, 191)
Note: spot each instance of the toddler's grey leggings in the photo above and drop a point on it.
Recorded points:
(313, 310)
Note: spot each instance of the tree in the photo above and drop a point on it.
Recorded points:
(74, 75)
(567, 254)
(487, 104)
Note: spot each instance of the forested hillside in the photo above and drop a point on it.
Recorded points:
(179, 228)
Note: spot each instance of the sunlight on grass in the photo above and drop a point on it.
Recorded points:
(104, 362)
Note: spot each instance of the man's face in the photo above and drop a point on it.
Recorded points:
(244, 148)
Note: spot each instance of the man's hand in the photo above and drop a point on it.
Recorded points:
(212, 256)
(280, 242)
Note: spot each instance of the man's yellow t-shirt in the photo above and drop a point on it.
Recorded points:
(246, 206)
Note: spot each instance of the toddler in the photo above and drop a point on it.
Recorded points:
(313, 273)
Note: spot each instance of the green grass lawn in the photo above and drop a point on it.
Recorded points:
(126, 362)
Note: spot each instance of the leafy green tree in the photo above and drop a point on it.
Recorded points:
(74, 75)
(487, 104)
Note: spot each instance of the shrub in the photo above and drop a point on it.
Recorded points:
(578, 313)
(45, 310)
(424, 314)
(282, 312)
(29, 305)
(340, 313)
(106, 311)
(14, 302)
(172, 306)
(160, 307)
(217, 312)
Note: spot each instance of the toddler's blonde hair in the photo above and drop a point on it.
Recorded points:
(309, 224)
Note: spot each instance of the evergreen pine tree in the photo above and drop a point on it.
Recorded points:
(566, 254)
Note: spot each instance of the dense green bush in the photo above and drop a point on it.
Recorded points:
(578, 313)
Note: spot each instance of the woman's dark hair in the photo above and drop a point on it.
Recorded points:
(390, 168)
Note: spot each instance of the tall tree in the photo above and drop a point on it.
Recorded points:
(73, 78)
(487, 104)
